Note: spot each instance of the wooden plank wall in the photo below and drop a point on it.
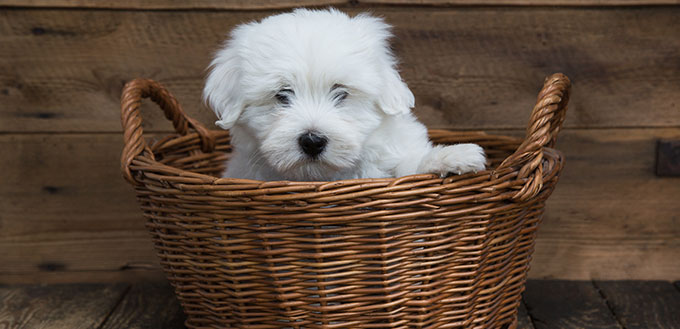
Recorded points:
(66, 215)
(273, 4)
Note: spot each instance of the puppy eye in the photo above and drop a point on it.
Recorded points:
(340, 94)
(284, 95)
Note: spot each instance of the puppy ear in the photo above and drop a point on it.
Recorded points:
(222, 87)
(395, 97)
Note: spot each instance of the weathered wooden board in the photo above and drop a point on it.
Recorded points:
(71, 249)
(66, 208)
(152, 274)
(643, 304)
(64, 180)
(63, 70)
(177, 4)
(147, 305)
(567, 305)
(554, 304)
(523, 2)
(265, 4)
(609, 197)
(75, 306)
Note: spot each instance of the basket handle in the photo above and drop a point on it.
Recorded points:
(131, 120)
(544, 125)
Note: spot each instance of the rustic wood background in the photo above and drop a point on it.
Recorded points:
(66, 215)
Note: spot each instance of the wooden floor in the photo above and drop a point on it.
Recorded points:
(546, 304)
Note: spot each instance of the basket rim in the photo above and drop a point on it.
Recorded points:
(146, 164)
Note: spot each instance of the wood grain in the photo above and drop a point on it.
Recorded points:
(443, 3)
(172, 4)
(72, 306)
(567, 305)
(147, 305)
(609, 210)
(63, 70)
(643, 304)
(70, 249)
(271, 4)
(65, 276)
(151, 305)
(69, 180)
(66, 209)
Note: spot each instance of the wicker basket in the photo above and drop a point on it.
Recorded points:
(412, 252)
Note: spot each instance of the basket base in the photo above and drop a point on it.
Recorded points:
(511, 325)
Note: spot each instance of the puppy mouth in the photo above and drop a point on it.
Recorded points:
(318, 167)
(314, 161)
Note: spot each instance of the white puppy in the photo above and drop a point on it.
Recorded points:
(315, 95)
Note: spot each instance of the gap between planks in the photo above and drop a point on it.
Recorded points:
(553, 304)
(609, 305)
(115, 306)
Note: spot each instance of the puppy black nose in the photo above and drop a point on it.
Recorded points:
(312, 144)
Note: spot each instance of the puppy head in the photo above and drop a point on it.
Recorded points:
(309, 87)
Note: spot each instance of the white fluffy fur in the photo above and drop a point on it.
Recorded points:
(371, 133)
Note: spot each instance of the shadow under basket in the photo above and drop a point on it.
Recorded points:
(411, 252)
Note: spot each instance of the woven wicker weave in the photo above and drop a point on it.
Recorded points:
(412, 252)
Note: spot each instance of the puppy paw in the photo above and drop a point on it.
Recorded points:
(458, 159)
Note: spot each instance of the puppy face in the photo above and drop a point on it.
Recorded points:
(308, 88)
